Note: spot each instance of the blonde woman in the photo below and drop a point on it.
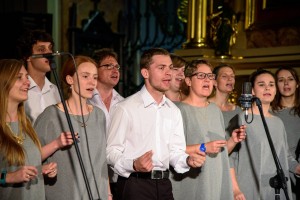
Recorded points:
(20, 150)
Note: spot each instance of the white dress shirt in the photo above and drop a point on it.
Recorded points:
(38, 99)
(96, 100)
(139, 124)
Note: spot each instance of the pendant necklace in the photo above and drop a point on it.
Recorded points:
(20, 137)
(84, 123)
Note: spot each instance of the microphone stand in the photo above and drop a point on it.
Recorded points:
(279, 181)
(53, 69)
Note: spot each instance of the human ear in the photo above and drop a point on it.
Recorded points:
(188, 81)
(69, 80)
(145, 73)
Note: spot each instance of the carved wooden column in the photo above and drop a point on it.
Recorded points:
(196, 29)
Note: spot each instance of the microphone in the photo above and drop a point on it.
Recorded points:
(48, 55)
(246, 97)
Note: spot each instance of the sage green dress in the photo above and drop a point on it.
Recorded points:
(253, 161)
(70, 183)
(212, 181)
(34, 189)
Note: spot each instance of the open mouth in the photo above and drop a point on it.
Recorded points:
(90, 89)
(287, 89)
(205, 86)
(179, 79)
(267, 94)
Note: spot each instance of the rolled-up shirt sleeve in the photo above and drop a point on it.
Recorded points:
(178, 145)
(116, 143)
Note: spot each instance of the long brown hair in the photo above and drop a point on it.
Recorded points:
(276, 104)
(12, 151)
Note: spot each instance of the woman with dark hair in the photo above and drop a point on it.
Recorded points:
(223, 87)
(286, 106)
(253, 162)
(89, 125)
(20, 150)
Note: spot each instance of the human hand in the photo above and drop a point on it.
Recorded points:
(196, 157)
(215, 146)
(238, 135)
(50, 169)
(144, 162)
(65, 139)
(238, 195)
(23, 174)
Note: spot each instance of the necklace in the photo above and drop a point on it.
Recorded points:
(20, 137)
(84, 123)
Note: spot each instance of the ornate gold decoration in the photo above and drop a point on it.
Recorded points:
(182, 11)
(196, 28)
(250, 13)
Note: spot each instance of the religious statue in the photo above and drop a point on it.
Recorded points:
(223, 29)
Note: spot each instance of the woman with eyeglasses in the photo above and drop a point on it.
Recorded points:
(286, 106)
(80, 78)
(204, 132)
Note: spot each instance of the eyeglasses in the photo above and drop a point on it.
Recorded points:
(111, 66)
(201, 75)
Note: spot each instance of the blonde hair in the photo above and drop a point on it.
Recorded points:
(12, 151)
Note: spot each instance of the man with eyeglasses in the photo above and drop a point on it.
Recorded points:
(105, 96)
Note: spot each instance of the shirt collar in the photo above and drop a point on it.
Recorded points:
(149, 100)
(115, 94)
(48, 85)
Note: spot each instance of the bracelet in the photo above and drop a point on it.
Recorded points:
(202, 147)
(3, 177)
(110, 195)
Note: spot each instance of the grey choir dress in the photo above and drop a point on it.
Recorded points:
(292, 128)
(211, 181)
(70, 184)
(228, 115)
(34, 189)
(253, 162)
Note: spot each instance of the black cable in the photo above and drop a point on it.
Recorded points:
(85, 132)
(53, 68)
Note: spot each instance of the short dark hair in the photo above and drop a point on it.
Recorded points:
(258, 72)
(192, 66)
(146, 58)
(26, 42)
(217, 69)
(100, 54)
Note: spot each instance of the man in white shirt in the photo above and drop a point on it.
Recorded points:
(105, 96)
(146, 135)
(42, 93)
